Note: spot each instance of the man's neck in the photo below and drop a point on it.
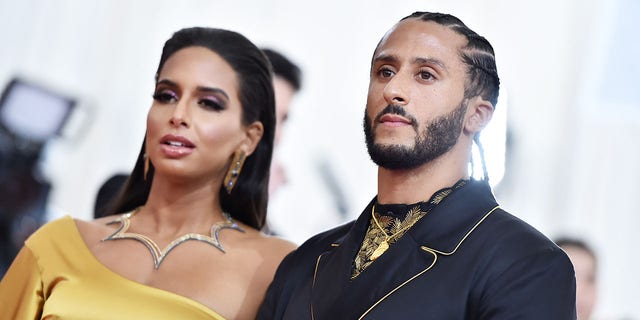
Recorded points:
(419, 184)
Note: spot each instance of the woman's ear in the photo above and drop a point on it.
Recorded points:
(254, 132)
(479, 114)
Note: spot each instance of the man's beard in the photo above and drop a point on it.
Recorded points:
(439, 136)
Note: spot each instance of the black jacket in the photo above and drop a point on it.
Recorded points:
(466, 259)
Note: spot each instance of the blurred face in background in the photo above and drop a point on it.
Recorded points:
(584, 264)
(284, 93)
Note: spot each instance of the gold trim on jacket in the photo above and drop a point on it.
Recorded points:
(425, 248)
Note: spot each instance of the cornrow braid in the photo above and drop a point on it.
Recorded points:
(477, 55)
(485, 172)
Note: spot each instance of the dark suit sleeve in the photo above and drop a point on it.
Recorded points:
(273, 305)
(289, 294)
(537, 286)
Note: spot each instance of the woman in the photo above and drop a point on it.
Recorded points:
(188, 245)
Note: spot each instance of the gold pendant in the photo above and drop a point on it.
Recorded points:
(379, 250)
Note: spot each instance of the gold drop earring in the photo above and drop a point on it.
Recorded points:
(231, 179)
(146, 166)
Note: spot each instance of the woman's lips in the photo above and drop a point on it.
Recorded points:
(176, 146)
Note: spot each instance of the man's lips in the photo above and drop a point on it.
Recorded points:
(394, 120)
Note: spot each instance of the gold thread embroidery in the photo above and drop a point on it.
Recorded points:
(408, 222)
(374, 244)
(375, 238)
(435, 259)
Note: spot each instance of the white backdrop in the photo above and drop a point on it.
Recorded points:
(572, 161)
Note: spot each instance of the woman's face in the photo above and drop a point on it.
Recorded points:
(194, 125)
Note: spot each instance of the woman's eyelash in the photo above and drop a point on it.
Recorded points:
(164, 96)
(170, 97)
(212, 104)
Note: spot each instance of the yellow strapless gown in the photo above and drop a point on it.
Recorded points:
(55, 276)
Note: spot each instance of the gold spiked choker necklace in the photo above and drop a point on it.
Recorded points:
(159, 255)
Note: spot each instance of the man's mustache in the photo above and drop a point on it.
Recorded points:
(397, 110)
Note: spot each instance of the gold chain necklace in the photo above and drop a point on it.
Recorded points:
(384, 245)
(159, 255)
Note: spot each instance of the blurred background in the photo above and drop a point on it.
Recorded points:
(563, 150)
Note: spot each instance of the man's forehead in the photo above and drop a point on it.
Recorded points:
(421, 38)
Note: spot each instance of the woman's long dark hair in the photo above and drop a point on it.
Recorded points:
(248, 200)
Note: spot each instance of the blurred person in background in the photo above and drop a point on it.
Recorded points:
(198, 190)
(285, 220)
(287, 81)
(585, 265)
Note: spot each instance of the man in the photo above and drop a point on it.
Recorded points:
(585, 263)
(286, 83)
(433, 244)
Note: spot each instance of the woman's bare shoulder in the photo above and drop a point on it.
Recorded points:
(277, 243)
(272, 246)
(95, 230)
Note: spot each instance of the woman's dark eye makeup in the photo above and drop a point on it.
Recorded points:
(207, 98)
(211, 103)
(165, 96)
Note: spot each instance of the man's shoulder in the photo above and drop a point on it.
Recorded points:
(512, 238)
(512, 228)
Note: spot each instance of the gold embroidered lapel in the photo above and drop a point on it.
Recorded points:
(435, 254)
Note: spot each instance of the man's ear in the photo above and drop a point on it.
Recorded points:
(254, 132)
(479, 113)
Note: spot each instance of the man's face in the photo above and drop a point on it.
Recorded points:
(415, 106)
